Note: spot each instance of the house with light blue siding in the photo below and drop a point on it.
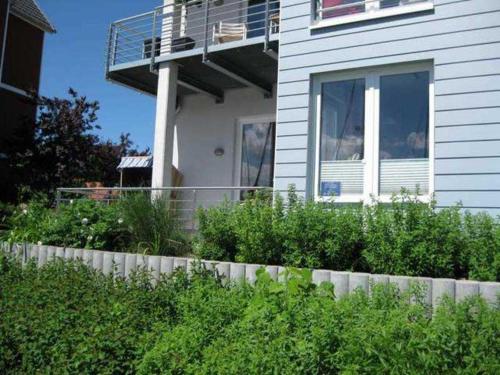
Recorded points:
(347, 98)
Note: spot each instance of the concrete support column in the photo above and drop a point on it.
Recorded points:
(164, 125)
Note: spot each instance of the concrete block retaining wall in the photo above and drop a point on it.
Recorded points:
(123, 264)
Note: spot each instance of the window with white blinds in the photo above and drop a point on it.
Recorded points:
(373, 132)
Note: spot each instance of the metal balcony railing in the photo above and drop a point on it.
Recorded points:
(328, 9)
(186, 25)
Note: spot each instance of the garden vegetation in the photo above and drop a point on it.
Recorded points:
(68, 318)
(405, 237)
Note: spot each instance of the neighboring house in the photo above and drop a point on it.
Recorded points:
(346, 97)
(22, 29)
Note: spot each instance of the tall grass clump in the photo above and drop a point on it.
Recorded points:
(153, 224)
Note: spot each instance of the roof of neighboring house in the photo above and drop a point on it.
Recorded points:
(135, 162)
(31, 12)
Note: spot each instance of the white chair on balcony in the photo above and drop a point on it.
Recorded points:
(229, 32)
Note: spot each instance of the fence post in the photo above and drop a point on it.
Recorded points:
(193, 214)
(58, 198)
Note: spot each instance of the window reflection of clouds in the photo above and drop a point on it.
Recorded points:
(257, 154)
(404, 116)
(342, 120)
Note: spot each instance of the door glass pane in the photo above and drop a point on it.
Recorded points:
(404, 132)
(342, 137)
(257, 154)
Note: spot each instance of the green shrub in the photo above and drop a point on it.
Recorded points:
(136, 223)
(67, 318)
(405, 237)
(217, 229)
(153, 225)
(82, 223)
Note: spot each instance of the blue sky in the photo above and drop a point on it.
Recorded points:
(75, 56)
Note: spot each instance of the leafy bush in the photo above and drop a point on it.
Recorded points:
(67, 318)
(405, 237)
(136, 223)
(153, 225)
(82, 223)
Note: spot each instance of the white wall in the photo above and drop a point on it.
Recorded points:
(202, 126)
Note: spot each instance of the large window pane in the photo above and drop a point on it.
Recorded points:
(342, 136)
(257, 154)
(404, 132)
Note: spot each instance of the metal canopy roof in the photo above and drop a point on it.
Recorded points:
(128, 162)
(30, 11)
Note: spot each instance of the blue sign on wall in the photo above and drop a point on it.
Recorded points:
(330, 188)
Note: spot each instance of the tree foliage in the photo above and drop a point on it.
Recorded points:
(65, 149)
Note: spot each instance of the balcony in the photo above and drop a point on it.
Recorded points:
(218, 45)
(338, 12)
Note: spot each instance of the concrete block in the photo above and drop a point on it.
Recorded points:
(272, 271)
(69, 253)
(281, 274)
(51, 253)
(209, 265)
(107, 263)
(33, 254)
(440, 288)
(119, 264)
(320, 276)
(377, 280)
(180, 263)
(401, 282)
(251, 272)
(358, 281)
(237, 272)
(167, 265)
(490, 291)
(466, 288)
(223, 269)
(60, 252)
(42, 255)
(154, 265)
(97, 260)
(130, 264)
(78, 254)
(87, 257)
(426, 284)
(340, 281)
(142, 262)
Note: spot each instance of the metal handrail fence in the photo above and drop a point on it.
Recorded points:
(187, 25)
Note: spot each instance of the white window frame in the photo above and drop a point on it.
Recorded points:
(238, 141)
(372, 129)
(373, 11)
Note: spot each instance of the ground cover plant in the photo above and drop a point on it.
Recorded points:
(406, 237)
(136, 223)
(67, 318)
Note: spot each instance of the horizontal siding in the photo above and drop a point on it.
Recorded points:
(470, 100)
(472, 199)
(282, 183)
(477, 132)
(467, 149)
(291, 170)
(488, 68)
(292, 142)
(468, 182)
(461, 38)
(467, 166)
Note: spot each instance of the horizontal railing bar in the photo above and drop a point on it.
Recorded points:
(178, 188)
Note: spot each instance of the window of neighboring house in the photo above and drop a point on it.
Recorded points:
(331, 12)
(373, 133)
